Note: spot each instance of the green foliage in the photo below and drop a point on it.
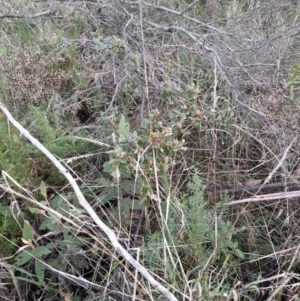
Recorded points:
(292, 83)
(134, 150)
(9, 231)
(199, 237)
(199, 221)
(27, 255)
(13, 150)
(25, 31)
(24, 162)
(122, 213)
(111, 44)
(124, 128)
(27, 231)
(40, 254)
(204, 227)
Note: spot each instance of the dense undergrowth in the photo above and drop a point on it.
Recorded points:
(156, 116)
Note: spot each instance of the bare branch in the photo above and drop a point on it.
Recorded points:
(189, 6)
(177, 13)
(198, 39)
(280, 162)
(267, 197)
(41, 14)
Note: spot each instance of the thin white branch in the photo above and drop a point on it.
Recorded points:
(83, 202)
(41, 14)
(189, 6)
(267, 197)
(280, 162)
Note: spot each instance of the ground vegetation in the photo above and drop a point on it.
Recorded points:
(178, 121)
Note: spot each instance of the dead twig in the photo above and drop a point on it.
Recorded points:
(267, 197)
(41, 14)
(251, 190)
(280, 162)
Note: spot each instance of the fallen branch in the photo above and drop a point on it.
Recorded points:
(267, 197)
(83, 202)
(41, 14)
(254, 190)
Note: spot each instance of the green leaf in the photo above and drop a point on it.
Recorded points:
(128, 204)
(56, 263)
(27, 232)
(116, 174)
(41, 251)
(33, 210)
(46, 225)
(43, 189)
(124, 129)
(122, 214)
(111, 192)
(107, 167)
(71, 243)
(5, 211)
(239, 253)
(126, 172)
(23, 258)
(164, 94)
(130, 186)
(27, 255)
(57, 202)
(15, 282)
(51, 223)
(40, 271)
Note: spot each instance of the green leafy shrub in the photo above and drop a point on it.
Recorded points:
(197, 238)
(42, 252)
(9, 231)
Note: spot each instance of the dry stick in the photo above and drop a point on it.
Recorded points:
(77, 94)
(267, 180)
(261, 197)
(279, 288)
(41, 14)
(197, 38)
(189, 6)
(83, 202)
(267, 197)
(279, 164)
(282, 275)
(145, 66)
(87, 284)
(272, 196)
